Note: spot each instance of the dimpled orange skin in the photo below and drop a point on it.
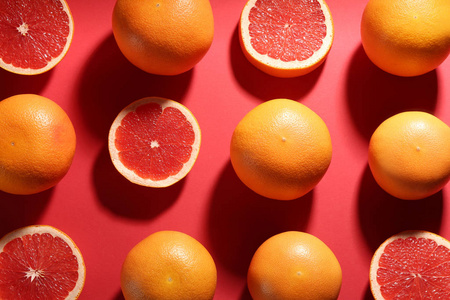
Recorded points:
(37, 144)
(168, 265)
(294, 265)
(281, 149)
(409, 155)
(406, 37)
(163, 37)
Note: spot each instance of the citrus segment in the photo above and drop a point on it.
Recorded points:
(34, 35)
(168, 265)
(411, 265)
(286, 38)
(154, 142)
(40, 262)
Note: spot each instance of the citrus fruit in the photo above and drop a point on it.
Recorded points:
(163, 37)
(406, 37)
(37, 143)
(412, 264)
(294, 265)
(281, 149)
(154, 142)
(409, 155)
(286, 38)
(40, 262)
(168, 265)
(34, 35)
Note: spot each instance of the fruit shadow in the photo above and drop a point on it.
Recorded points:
(14, 84)
(264, 86)
(245, 294)
(373, 95)
(382, 215)
(241, 220)
(17, 211)
(368, 295)
(109, 82)
(119, 296)
(127, 199)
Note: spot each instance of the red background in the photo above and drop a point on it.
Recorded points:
(106, 215)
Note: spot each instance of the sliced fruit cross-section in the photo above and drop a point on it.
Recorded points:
(40, 262)
(154, 142)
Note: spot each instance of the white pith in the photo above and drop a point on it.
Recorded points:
(374, 285)
(23, 29)
(41, 229)
(265, 59)
(130, 174)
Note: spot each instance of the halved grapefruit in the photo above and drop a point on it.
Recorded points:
(40, 262)
(286, 38)
(413, 264)
(34, 35)
(154, 142)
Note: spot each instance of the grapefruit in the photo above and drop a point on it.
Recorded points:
(406, 37)
(286, 38)
(168, 265)
(163, 37)
(409, 155)
(294, 265)
(40, 262)
(37, 143)
(154, 142)
(411, 265)
(281, 149)
(34, 35)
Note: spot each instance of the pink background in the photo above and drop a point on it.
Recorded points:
(106, 215)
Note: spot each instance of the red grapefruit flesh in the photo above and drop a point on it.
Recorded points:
(154, 142)
(40, 262)
(34, 35)
(411, 265)
(286, 38)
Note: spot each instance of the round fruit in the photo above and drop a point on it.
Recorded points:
(40, 262)
(294, 265)
(154, 142)
(286, 38)
(163, 37)
(406, 37)
(281, 149)
(34, 36)
(168, 265)
(411, 265)
(37, 143)
(409, 155)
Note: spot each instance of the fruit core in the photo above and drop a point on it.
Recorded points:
(287, 32)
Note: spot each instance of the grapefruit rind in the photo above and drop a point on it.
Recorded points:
(374, 285)
(41, 229)
(130, 174)
(276, 67)
(55, 60)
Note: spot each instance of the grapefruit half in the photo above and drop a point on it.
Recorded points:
(40, 262)
(34, 35)
(413, 264)
(286, 38)
(154, 142)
